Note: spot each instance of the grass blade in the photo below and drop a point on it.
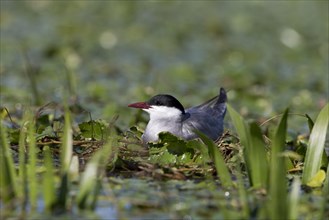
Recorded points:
(243, 196)
(258, 164)
(254, 149)
(32, 164)
(240, 126)
(309, 122)
(325, 194)
(8, 190)
(66, 157)
(316, 145)
(218, 160)
(294, 198)
(23, 193)
(67, 147)
(90, 183)
(243, 132)
(48, 180)
(278, 184)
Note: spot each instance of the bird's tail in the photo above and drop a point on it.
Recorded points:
(220, 105)
(222, 96)
(217, 104)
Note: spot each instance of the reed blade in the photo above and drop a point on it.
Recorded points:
(8, 189)
(90, 183)
(48, 178)
(214, 153)
(32, 164)
(278, 184)
(22, 174)
(254, 149)
(66, 157)
(315, 148)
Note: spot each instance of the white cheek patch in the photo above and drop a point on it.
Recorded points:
(163, 112)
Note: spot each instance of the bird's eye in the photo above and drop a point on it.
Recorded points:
(157, 103)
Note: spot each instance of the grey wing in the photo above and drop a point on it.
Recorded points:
(207, 117)
(210, 125)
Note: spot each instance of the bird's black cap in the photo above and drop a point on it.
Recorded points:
(166, 100)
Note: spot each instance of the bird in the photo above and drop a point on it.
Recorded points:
(167, 114)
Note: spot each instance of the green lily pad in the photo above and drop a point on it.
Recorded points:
(95, 130)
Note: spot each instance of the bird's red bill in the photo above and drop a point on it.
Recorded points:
(142, 105)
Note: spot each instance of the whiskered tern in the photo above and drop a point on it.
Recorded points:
(168, 114)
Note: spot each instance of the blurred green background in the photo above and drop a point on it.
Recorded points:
(268, 54)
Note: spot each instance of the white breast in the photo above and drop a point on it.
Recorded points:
(162, 119)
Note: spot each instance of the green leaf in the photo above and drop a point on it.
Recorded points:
(325, 193)
(93, 129)
(254, 149)
(48, 180)
(214, 153)
(173, 150)
(315, 149)
(244, 135)
(174, 144)
(309, 122)
(137, 131)
(22, 174)
(161, 156)
(32, 164)
(66, 157)
(318, 179)
(258, 164)
(47, 132)
(326, 182)
(294, 198)
(278, 184)
(240, 126)
(90, 183)
(242, 190)
(42, 122)
(14, 136)
(200, 150)
(8, 188)
(66, 148)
